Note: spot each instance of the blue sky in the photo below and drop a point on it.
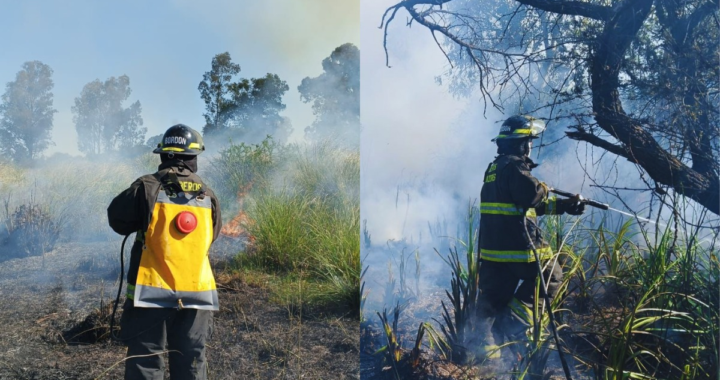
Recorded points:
(165, 46)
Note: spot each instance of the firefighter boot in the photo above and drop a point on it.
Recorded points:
(483, 346)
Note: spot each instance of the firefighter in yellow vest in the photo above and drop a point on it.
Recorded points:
(171, 291)
(510, 199)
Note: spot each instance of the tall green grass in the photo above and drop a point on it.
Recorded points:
(305, 219)
(237, 169)
(653, 302)
(642, 306)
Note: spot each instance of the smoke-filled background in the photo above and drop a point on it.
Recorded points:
(425, 146)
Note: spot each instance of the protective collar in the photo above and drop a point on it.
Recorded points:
(190, 164)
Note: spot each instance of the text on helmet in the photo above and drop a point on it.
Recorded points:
(175, 140)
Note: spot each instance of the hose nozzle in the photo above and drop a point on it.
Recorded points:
(587, 201)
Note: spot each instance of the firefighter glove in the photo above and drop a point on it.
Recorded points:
(572, 206)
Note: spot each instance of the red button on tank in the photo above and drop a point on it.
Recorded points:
(186, 222)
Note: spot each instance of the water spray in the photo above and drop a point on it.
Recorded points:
(602, 206)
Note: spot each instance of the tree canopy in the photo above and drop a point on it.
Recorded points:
(635, 78)
(335, 96)
(27, 113)
(248, 109)
(102, 124)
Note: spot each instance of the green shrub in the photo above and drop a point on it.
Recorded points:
(237, 169)
(311, 222)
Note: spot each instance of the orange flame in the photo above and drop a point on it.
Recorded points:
(238, 226)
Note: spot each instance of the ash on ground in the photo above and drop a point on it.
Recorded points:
(55, 323)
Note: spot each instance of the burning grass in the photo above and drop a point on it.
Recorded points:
(299, 209)
(631, 306)
(276, 321)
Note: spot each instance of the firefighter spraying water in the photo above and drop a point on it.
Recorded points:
(512, 249)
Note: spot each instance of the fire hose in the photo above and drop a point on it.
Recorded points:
(117, 301)
(546, 297)
(565, 366)
(587, 201)
(117, 298)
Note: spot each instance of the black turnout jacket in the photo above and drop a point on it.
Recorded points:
(510, 198)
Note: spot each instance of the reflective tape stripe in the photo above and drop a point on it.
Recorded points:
(525, 256)
(150, 296)
(173, 149)
(505, 209)
(522, 132)
(500, 208)
(130, 294)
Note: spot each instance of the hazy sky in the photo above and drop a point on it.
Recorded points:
(165, 46)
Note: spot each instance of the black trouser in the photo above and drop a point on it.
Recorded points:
(506, 306)
(150, 331)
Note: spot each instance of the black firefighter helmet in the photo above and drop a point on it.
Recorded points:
(520, 127)
(181, 139)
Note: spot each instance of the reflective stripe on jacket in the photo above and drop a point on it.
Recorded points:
(509, 196)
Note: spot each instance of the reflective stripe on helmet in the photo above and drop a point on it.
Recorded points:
(531, 127)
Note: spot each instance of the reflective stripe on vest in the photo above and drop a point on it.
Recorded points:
(524, 256)
(174, 267)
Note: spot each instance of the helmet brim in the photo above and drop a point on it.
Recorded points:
(173, 150)
(513, 137)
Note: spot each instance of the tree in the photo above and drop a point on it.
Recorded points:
(335, 95)
(636, 78)
(216, 90)
(248, 109)
(153, 141)
(102, 124)
(259, 103)
(27, 113)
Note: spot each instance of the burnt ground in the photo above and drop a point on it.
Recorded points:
(431, 366)
(48, 300)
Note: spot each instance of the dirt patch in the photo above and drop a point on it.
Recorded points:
(51, 299)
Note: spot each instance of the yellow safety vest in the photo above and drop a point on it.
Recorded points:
(174, 266)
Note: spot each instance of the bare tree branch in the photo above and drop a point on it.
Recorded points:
(573, 8)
